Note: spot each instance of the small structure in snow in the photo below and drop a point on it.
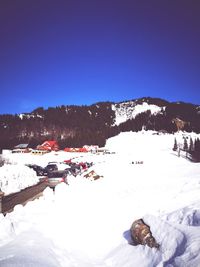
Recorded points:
(21, 148)
(39, 152)
(141, 234)
(92, 149)
(75, 149)
(49, 146)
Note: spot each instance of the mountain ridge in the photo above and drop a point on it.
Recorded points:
(73, 125)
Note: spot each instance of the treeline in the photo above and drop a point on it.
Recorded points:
(192, 147)
(71, 126)
(75, 126)
(163, 120)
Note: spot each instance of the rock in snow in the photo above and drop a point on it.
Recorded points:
(141, 234)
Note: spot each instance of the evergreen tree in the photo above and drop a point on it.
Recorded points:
(185, 145)
(196, 151)
(175, 145)
(197, 146)
(191, 146)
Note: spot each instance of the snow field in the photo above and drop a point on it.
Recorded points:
(86, 223)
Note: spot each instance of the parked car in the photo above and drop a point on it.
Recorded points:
(77, 168)
(38, 169)
(56, 177)
(56, 166)
(51, 167)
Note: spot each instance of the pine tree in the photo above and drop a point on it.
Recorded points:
(196, 152)
(175, 145)
(191, 146)
(185, 145)
(197, 146)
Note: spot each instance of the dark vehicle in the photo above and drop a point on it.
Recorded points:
(55, 166)
(38, 169)
(77, 168)
(56, 177)
(74, 169)
(83, 165)
(51, 167)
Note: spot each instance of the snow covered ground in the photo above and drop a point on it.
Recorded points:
(13, 178)
(86, 223)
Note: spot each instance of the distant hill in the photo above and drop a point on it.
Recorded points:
(79, 125)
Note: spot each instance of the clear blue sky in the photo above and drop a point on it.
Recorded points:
(55, 52)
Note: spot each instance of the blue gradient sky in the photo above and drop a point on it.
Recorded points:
(81, 52)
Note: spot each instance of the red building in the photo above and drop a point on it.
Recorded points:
(49, 146)
(75, 149)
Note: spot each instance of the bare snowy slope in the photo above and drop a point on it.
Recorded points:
(129, 110)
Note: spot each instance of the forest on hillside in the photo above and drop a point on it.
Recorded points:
(71, 126)
(75, 126)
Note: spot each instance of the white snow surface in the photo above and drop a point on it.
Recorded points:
(13, 178)
(128, 110)
(86, 223)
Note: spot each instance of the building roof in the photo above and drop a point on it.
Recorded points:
(21, 146)
(50, 143)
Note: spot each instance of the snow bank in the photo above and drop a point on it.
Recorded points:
(16, 177)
